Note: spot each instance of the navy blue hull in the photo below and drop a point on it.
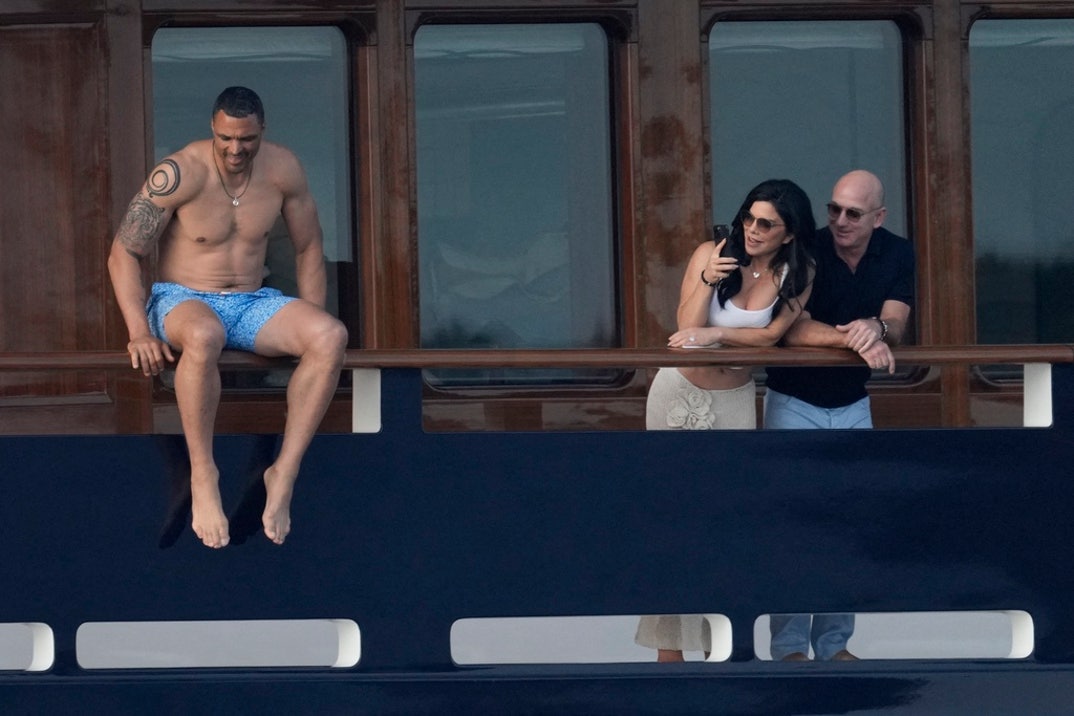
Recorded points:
(406, 532)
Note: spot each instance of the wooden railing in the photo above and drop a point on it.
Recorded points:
(954, 364)
(576, 358)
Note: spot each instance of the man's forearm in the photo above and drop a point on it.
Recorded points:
(811, 333)
(895, 315)
(126, 275)
(896, 328)
(312, 278)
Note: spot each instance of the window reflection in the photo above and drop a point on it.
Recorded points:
(807, 101)
(515, 205)
(1023, 236)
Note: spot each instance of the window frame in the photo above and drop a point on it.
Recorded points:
(910, 23)
(357, 31)
(619, 26)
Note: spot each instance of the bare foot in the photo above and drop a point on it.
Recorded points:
(277, 515)
(208, 521)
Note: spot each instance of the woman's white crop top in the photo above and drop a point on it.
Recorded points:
(731, 316)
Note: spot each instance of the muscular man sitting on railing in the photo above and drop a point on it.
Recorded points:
(211, 206)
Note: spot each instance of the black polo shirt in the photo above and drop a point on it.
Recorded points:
(885, 272)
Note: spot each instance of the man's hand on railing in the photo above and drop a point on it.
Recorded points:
(879, 356)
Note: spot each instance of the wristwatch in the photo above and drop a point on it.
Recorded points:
(883, 326)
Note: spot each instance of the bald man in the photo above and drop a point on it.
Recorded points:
(861, 301)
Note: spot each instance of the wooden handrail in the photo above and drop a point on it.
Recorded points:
(574, 358)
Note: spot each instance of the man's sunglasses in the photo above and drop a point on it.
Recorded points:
(853, 215)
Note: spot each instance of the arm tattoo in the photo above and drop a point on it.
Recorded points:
(140, 226)
(161, 182)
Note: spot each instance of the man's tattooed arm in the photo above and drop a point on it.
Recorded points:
(140, 226)
(144, 220)
(164, 180)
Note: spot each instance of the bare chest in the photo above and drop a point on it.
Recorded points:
(217, 219)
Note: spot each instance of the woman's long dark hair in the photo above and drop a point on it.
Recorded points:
(795, 211)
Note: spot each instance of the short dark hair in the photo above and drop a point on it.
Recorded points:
(239, 102)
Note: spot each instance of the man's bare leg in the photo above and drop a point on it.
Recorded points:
(318, 340)
(197, 333)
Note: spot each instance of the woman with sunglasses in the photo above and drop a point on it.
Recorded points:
(743, 290)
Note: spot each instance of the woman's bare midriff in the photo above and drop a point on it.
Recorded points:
(717, 378)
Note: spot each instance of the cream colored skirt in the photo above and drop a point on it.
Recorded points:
(675, 403)
(686, 632)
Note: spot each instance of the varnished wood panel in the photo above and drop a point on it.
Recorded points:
(54, 213)
(672, 214)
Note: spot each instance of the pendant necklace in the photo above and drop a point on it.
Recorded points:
(756, 274)
(235, 198)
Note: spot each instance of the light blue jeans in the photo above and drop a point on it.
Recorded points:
(782, 411)
(828, 633)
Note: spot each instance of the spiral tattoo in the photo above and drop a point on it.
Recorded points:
(140, 226)
(162, 182)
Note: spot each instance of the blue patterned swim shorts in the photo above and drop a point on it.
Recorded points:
(243, 314)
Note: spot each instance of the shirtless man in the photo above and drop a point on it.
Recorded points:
(208, 210)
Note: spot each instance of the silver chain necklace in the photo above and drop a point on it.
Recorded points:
(235, 198)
